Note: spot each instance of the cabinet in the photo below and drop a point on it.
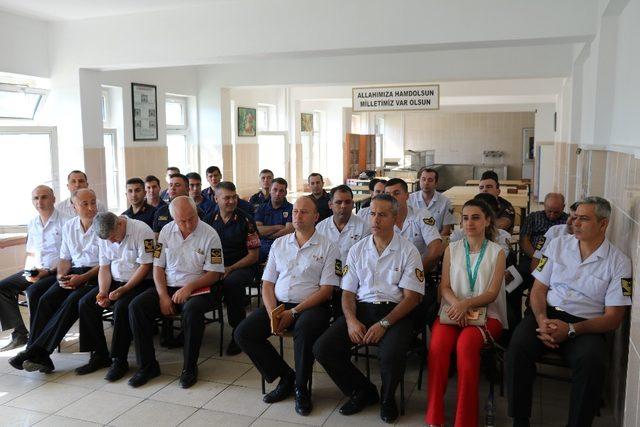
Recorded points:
(359, 154)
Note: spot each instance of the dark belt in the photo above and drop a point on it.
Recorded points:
(380, 303)
(559, 313)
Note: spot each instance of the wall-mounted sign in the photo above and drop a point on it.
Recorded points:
(396, 98)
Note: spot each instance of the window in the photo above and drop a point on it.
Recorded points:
(176, 112)
(104, 106)
(266, 118)
(112, 170)
(355, 123)
(178, 151)
(19, 102)
(36, 149)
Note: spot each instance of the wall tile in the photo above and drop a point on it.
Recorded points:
(631, 398)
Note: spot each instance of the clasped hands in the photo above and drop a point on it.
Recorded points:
(552, 332)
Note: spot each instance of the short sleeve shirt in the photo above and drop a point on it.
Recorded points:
(207, 207)
(44, 241)
(78, 246)
(322, 203)
(439, 206)
(185, 260)
(239, 235)
(354, 230)
(268, 215)
(381, 278)
(298, 271)
(135, 249)
(419, 228)
(66, 207)
(585, 288)
(258, 200)
(552, 233)
(144, 214)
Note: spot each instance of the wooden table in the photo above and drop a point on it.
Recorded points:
(358, 199)
(511, 182)
(460, 194)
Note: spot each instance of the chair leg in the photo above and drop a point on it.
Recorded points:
(366, 353)
(221, 329)
(264, 387)
(281, 346)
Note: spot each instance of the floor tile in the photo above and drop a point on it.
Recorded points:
(154, 413)
(94, 380)
(222, 371)
(122, 387)
(238, 400)
(58, 421)
(12, 386)
(285, 411)
(50, 397)
(206, 418)
(196, 395)
(99, 407)
(19, 417)
(263, 422)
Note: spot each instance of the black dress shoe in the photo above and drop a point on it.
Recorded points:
(233, 348)
(118, 369)
(96, 361)
(303, 401)
(188, 378)
(282, 391)
(16, 341)
(142, 376)
(359, 400)
(41, 363)
(389, 411)
(17, 360)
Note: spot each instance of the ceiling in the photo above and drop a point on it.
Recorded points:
(63, 10)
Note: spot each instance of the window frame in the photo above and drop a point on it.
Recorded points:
(8, 87)
(185, 112)
(52, 131)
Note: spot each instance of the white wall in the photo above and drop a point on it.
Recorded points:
(24, 46)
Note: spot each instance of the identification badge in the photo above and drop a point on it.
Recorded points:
(429, 221)
(149, 247)
(542, 263)
(338, 268)
(627, 286)
(216, 256)
(158, 250)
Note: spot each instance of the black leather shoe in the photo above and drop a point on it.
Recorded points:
(282, 391)
(303, 401)
(96, 362)
(389, 411)
(233, 348)
(16, 341)
(359, 400)
(142, 376)
(188, 378)
(17, 360)
(117, 370)
(41, 363)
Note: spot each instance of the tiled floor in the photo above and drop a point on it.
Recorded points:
(227, 394)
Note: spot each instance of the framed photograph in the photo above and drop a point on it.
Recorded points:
(246, 121)
(144, 104)
(306, 122)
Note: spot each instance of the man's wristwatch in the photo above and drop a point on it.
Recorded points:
(294, 313)
(385, 323)
(572, 331)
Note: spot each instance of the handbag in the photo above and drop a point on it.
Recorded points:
(475, 316)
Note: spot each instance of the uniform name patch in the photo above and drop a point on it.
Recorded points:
(542, 263)
(429, 221)
(163, 218)
(540, 243)
(627, 287)
(216, 256)
(158, 250)
(420, 275)
(149, 247)
(338, 268)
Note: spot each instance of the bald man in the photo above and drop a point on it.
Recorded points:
(301, 275)
(538, 223)
(44, 237)
(187, 262)
(77, 274)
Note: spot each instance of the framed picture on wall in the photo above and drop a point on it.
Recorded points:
(246, 121)
(144, 107)
(306, 122)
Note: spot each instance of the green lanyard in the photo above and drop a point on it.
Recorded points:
(474, 276)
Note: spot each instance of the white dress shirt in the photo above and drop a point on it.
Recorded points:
(44, 240)
(135, 249)
(79, 246)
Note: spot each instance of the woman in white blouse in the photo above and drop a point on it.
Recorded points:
(472, 288)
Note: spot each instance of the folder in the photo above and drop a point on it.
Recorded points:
(274, 317)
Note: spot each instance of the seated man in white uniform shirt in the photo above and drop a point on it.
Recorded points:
(383, 282)
(76, 180)
(44, 237)
(428, 198)
(187, 260)
(300, 274)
